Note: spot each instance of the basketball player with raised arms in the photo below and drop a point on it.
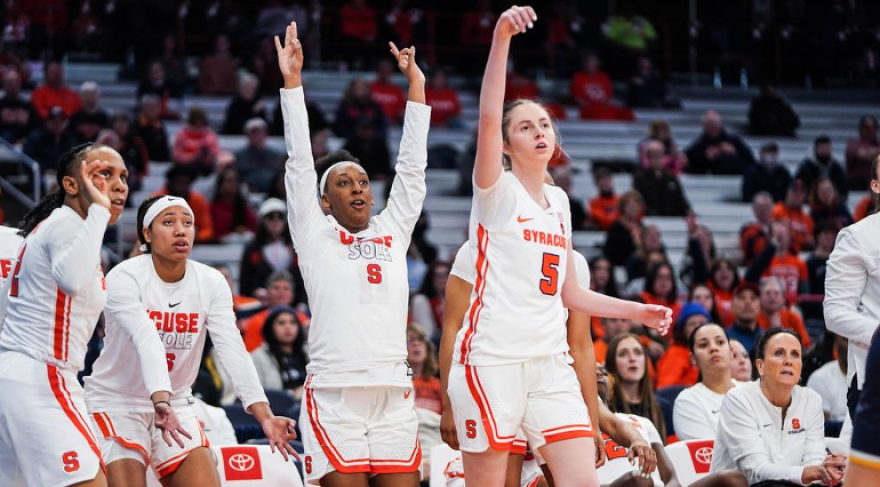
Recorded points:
(164, 301)
(49, 307)
(358, 419)
(510, 366)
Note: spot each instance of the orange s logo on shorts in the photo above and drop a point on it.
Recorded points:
(308, 464)
(71, 461)
(795, 424)
(470, 428)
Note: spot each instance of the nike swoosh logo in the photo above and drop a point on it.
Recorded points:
(520, 219)
(175, 304)
(768, 425)
(406, 394)
(716, 412)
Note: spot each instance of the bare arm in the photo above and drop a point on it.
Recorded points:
(580, 345)
(458, 296)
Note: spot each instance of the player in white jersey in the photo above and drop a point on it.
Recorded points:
(10, 241)
(358, 419)
(506, 375)
(165, 302)
(48, 310)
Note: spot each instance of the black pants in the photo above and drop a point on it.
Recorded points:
(852, 398)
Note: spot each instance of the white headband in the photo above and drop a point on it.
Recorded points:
(161, 205)
(322, 186)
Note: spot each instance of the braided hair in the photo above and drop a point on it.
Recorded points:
(55, 199)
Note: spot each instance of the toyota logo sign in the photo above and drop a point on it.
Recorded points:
(704, 455)
(243, 462)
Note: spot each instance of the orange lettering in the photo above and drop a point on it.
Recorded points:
(193, 322)
(471, 428)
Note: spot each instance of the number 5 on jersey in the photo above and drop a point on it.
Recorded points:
(549, 284)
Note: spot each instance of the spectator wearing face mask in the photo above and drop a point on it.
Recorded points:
(768, 175)
(822, 164)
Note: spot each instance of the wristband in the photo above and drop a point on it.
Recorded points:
(155, 404)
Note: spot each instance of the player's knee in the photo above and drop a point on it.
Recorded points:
(632, 479)
(731, 478)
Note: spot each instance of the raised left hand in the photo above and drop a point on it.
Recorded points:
(279, 431)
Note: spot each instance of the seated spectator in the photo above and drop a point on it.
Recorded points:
(357, 105)
(257, 161)
(860, 153)
(723, 281)
(132, 149)
(443, 99)
(753, 236)
(702, 295)
(18, 118)
(91, 118)
(281, 359)
(560, 175)
(623, 234)
(422, 358)
(632, 393)
(611, 329)
(630, 31)
(401, 21)
(660, 288)
(388, 95)
(746, 308)
(647, 89)
(234, 220)
(822, 164)
(818, 260)
(740, 362)
(175, 64)
(770, 114)
(279, 290)
(371, 149)
(196, 145)
(245, 106)
(271, 250)
(477, 27)
(591, 89)
(791, 211)
(218, 72)
(358, 28)
(178, 182)
(604, 207)
(427, 305)
(47, 144)
(700, 253)
(716, 151)
(157, 84)
(826, 206)
(151, 129)
(675, 367)
(673, 159)
(661, 190)
(695, 414)
(602, 277)
(829, 381)
(778, 260)
(265, 66)
(774, 312)
(519, 86)
(793, 448)
(54, 93)
(767, 175)
(649, 244)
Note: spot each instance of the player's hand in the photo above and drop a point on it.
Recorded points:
(406, 62)
(94, 179)
(647, 457)
(656, 317)
(279, 431)
(600, 449)
(447, 429)
(166, 420)
(515, 20)
(290, 55)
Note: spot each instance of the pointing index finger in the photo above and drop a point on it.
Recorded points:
(394, 50)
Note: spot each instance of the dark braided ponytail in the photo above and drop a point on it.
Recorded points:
(55, 199)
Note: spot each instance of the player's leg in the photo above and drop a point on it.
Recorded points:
(486, 469)
(566, 460)
(730, 478)
(126, 473)
(393, 438)
(194, 465)
(861, 476)
(339, 479)
(124, 439)
(514, 470)
(197, 470)
(410, 479)
(632, 479)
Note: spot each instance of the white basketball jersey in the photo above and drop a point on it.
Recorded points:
(10, 244)
(356, 283)
(140, 306)
(56, 291)
(520, 253)
(617, 464)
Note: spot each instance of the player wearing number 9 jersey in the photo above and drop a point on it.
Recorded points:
(358, 418)
(163, 297)
(510, 368)
(48, 310)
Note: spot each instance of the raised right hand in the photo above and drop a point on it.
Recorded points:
(447, 429)
(515, 20)
(290, 55)
(166, 420)
(94, 177)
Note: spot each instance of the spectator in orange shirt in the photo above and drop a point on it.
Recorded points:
(753, 236)
(422, 358)
(675, 367)
(614, 327)
(196, 145)
(592, 90)
(443, 99)
(388, 95)
(54, 92)
(723, 280)
(660, 288)
(774, 312)
(777, 260)
(866, 206)
(279, 292)
(792, 211)
(604, 207)
(178, 182)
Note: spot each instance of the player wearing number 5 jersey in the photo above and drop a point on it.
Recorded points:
(48, 310)
(358, 418)
(510, 368)
(168, 304)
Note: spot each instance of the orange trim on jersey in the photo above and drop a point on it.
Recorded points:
(861, 461)
(567, 435)
(106, 426)
(339, 463)
(411, 464)
(496, 441)
(171, 465)
(62, 318)
(519, 448)
(482, 266)
(534, 483)
(568, 426)
(62, 395)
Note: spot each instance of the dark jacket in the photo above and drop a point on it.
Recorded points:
(255, 270)
(735, 163)
(662, 192)
(771, 115)
(239, 112)
(619, 244)
(759, 177)
(43, 147)
(18, 118)
(811, 170)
